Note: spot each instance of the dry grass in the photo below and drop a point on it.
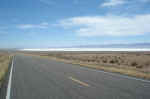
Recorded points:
(4, 62)
(129, 63)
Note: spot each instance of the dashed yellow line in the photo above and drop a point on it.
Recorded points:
(78, 81)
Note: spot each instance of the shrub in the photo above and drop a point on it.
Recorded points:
(112, 61)
(134, 63)
(104, 61)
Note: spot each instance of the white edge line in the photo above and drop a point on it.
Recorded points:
(9, 82)
(115, 74)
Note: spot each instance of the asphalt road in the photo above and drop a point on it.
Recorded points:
(39, 78)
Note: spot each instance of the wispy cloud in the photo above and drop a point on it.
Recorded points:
(125, 7)
(108, 25)
(111, 3)
(30, 26)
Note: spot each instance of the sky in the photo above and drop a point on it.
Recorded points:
(59, 23)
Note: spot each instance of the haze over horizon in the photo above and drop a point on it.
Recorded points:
(49, 23)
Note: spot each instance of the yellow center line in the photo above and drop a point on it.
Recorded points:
(78, 81)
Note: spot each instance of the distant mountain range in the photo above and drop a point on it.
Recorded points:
(134, 45)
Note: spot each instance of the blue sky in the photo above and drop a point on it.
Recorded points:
(51, 23)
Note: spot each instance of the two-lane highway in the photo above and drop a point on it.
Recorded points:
(39, 78)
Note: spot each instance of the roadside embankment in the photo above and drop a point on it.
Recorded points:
(4, 63)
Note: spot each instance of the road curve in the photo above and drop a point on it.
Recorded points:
(39, 78)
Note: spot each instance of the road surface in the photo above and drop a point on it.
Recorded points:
(39, 78)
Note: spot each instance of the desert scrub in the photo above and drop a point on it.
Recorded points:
(104, 61)
(134, 63)
(4, 62)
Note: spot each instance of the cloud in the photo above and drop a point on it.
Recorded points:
(111, 3)
(30, 26)
(108, 25)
